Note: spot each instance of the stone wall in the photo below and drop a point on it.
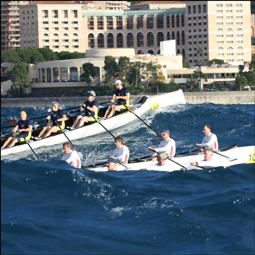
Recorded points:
(222, 97)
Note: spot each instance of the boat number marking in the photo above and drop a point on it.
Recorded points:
(154, 105)
(251, 158)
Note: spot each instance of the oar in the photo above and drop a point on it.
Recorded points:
(32, 150)
(110, 133)
(170, 159)
(130, 110)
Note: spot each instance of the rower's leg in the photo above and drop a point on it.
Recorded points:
(13, 142)
(82, 121)
(112, 111)
(53, 129)
(75, 124)
(109, 109)
(6, 143)
(43, 131)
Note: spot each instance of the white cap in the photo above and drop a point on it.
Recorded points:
(118, 81)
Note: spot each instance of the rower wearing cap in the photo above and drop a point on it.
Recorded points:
(210, 140)
(24, 129)
(121, 152)
(119, 99)
(167, 145)
(56, 121)
(90, 111)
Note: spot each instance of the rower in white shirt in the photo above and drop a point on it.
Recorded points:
(167, 146)
(71, 156)
(121, 152)
(210, 140)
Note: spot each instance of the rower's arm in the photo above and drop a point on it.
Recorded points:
(124, 97)
(92, 109)
(29, 129)
(64, 118)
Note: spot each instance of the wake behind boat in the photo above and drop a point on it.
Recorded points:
(143, 105)
(234, 156)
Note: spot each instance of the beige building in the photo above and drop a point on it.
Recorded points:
(218, 30)
(59, 27)
(10, 29)
(66, 73)
(203, 30)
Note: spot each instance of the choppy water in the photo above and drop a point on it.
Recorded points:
(50, 208)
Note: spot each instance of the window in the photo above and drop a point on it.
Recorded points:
(91, 23)
(150, 39)
(130, 22)
(65, 13)
(119, 22)
(199, 9)
(160, 21)
(91, 41)
(75, 13)
(168, 21)
(140, 40)
(160, 38)
(100, 22)
(130, 40)
(139, 22)
(110, 41)
(189, 9)
(149, 22)
(204, 8)
(172, 21)
(194, 9)
(182, 20)
(100, 41)
(55, 13)
(119, 40)
(45, 13)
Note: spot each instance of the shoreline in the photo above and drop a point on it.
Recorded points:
(219, 97)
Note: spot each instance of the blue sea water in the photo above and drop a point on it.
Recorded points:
(47, 207)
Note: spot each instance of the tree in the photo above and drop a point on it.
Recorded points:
(19, 76)
(111, 68)
(134, 73)
(63, 55)
(10, 56)
(123, 66)
(48, 54)
(251, 77)
(215, 61)
(88, 72)
(241, 81)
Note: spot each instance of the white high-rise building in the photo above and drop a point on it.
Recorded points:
(218, 30)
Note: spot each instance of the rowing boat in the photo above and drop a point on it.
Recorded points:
(234, 156)
(117, 121)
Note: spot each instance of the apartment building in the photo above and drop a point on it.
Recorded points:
(253, 33)
(203, 30)
(218, 29)
(10, 29)
(58, 26)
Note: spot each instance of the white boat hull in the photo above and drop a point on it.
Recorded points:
(115, 122)
(238, 155)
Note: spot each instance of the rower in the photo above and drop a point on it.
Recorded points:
(24, 129)
(56, 121)
(210, 140)
(208, 160)
(121, 152)
(71, 156)
(167, 146)
(89, 108)
(119, 100)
